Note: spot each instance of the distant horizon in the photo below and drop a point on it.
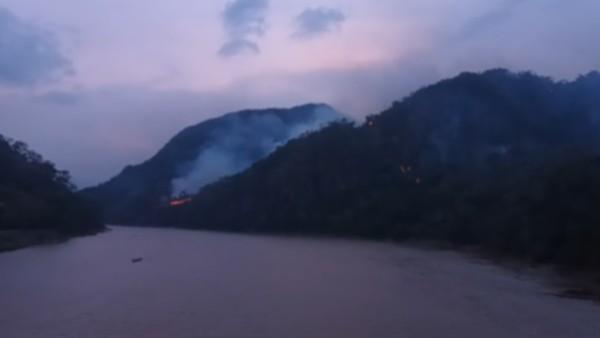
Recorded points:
(94, 86)
(359, 119)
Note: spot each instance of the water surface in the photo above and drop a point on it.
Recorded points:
(201, 284)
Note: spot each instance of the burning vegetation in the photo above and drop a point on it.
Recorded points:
(180, 202)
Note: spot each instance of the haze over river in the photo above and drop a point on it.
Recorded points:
(193, 284)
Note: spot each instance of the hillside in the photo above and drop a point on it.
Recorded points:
(200, 155)
(37, 201)
(508, 162)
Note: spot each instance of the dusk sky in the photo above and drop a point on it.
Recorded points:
(95, 85)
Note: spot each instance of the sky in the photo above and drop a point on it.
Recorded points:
(97, 85)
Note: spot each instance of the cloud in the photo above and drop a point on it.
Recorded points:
(61, 97)
(244, 22)
(28, 54)
(355, 92)
(236, 47)
(313, 22)
(496, 16)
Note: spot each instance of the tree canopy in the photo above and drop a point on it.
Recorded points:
(506, 161)
(34, 195)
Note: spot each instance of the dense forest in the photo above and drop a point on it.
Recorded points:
(37, 201)
(199, 155)
(507, 162)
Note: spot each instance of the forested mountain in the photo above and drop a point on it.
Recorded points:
(200, 155)
(509, 162)
(37, 201)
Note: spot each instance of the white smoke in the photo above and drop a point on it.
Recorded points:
(240, 143)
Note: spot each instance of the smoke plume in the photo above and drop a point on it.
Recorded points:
(240, 142)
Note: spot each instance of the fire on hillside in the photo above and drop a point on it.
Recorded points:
(180, 202)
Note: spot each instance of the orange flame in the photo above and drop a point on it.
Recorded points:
(180, 202)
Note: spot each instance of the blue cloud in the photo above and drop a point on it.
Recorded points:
(244, 22)
(28, 55)
(237, 47)
(313, 22)
(498, 15)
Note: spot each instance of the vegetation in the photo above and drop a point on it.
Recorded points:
(37, 201)
(230, 143)
(508, 162)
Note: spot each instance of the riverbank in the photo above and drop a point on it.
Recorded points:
(566, 282)
(11, 240)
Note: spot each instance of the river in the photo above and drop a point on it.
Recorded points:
(193, 284)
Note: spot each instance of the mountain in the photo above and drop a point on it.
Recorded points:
(508, 162)
(200, 155)
(37, 201)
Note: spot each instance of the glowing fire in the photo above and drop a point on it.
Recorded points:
(180, 202)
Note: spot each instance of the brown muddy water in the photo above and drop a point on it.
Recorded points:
(192, 284)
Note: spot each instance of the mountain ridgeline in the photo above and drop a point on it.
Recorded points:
(200, 155)
(508, 162)
(37, 201)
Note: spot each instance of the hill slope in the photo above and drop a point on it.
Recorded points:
(200, 155)
(37, 202)
(506, 161)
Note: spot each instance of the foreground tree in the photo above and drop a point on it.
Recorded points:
(36, 198)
